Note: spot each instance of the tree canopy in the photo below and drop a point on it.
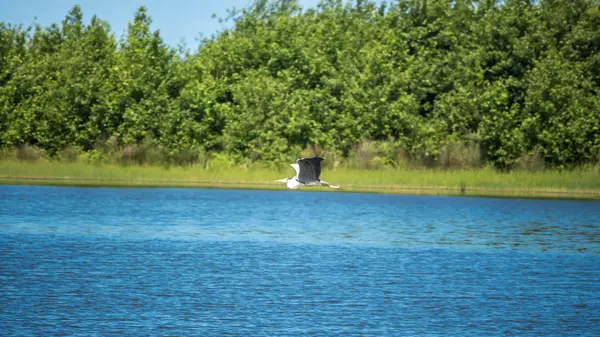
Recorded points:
(510, 78)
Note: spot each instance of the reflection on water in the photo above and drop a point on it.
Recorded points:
(102, 261)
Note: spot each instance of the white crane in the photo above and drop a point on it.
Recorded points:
(308, 171)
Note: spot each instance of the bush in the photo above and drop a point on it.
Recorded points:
(530, 161)
(145, 153)
(29, 153)
(69, 154)
(365, 152)
(459, 155)
(187, 156)
(220, 161)
(7, 153)
(95, 157)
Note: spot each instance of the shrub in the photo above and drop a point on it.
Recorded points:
(530, 161)
(145, 153)
(69, 154)
(29, 153)
(459, 154)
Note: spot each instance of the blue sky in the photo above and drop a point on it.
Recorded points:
(176, 19)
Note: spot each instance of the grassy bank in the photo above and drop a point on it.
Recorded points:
(480, 182)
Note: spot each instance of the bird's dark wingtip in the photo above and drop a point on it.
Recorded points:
(308, 158)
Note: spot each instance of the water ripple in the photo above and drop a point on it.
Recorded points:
(297, 217)
(102, 261)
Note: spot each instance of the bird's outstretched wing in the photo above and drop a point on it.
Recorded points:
(296, 168)
(310, 169)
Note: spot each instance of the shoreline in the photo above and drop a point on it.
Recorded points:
(483, 182)
(528, 193)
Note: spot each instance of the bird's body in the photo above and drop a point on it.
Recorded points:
(308, 172)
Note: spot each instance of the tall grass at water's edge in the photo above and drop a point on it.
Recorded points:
(580, 184)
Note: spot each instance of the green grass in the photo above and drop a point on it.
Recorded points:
(580, 184)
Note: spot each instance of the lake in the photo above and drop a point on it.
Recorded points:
(183, 262)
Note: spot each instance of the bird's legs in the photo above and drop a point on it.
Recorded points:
(335, 187)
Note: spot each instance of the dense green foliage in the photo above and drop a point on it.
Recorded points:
(442, 82)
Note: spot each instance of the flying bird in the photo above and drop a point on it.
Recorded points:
(308, 171)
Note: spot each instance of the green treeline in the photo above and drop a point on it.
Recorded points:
(441, 82)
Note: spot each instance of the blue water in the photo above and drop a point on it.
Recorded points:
(203, 262)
